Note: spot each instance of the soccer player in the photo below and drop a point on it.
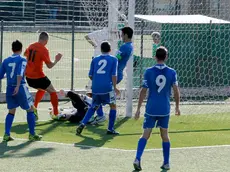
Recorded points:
(81, 104)
(103, 73)
(36, 54)
(95, 38)
(17, 93)
(159, 79)
(125, 51)
(156, 36)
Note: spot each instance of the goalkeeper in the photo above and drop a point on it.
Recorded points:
(81, 103)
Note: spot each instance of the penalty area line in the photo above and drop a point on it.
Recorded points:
(118, 149)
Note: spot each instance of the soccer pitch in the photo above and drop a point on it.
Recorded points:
(61, 150)
(200, 143)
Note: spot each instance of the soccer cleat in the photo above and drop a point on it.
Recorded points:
(137, 165)
(35, 137)
(80, 129)
(165, 167)
(7, 138)
(92, 120)
(36, 114)
(100, 119)
(112, 132)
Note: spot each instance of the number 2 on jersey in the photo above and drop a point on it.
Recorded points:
(103, 64)
(160, 81)
(12, 65)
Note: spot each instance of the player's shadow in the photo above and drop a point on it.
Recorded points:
(23, 128)
(90, 142)
(180, 131)
(7, 151)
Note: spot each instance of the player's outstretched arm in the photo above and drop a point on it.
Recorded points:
(114, 80)
(57, 59)
(177, 99)
(2, 71)
(142, 96)
(90, 41)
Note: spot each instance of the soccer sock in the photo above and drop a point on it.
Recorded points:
(38, 97)
(31, 122)
(112, 118)
(100, 112)
(54, 102)
(140, 148)
(166, 151)
(8, 123)
(88, 115)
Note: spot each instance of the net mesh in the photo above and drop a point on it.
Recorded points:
(198, 50)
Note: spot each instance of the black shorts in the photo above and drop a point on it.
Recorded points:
(40, 83)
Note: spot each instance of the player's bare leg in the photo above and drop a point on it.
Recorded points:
(112, 119)
(140, 148)
(166, 148)
(8, 124)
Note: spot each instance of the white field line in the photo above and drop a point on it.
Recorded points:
(124, 150)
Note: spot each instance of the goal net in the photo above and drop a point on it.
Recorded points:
(197, 38)
(112, 15)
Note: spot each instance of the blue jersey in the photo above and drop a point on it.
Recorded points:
(13, 66)
(102, 69)
(123, 55)
(159, 79)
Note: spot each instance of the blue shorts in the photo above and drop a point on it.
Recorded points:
(22, 99)
(159, 121)
(103, 99)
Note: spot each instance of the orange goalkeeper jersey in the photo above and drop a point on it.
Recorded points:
(36, 54)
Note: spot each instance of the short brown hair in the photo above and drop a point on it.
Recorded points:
(44, 36)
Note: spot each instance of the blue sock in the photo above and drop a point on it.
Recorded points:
(31, 122)
(112, 118)
(140, 148)
(88, 115)
(100, 112)
(166, 151)
(8, 123)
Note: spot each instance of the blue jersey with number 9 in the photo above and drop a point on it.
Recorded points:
(13, 66)
(102, 69)
(159, 79)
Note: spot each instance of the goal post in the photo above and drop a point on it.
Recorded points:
(129, 83)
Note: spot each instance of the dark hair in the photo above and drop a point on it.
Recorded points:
(43, 36)
(161, 53)
(16, 46)
(105, 47)
(128, 31)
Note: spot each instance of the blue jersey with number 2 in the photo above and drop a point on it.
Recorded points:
(102, 69)
(159, 79)
(13, 66)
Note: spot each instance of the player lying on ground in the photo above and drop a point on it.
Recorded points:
(36, 54)
(103, 73)
(81, 104)
(17, 93)
(159, 79)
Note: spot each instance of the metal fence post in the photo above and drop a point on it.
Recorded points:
(1, 50)
(142, 50)
(72, 65)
